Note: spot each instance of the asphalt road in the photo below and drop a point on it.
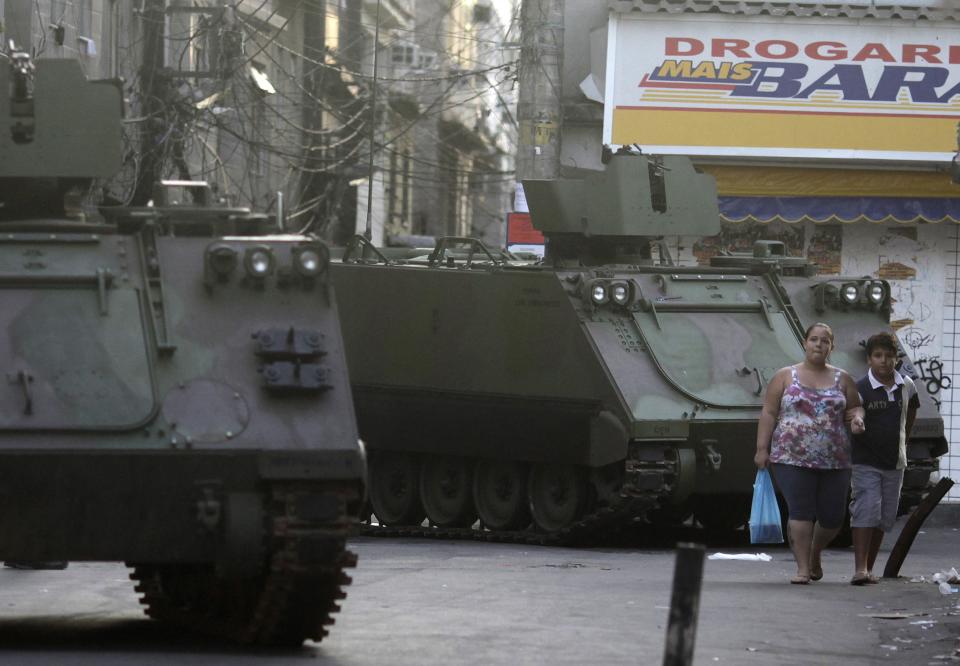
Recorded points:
(434, 602)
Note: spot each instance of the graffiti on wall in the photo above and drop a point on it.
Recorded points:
(927, 370)
(933, 378)
(916, 339)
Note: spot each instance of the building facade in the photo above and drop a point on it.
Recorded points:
(830, 127)
(277, 105)
(465, 139)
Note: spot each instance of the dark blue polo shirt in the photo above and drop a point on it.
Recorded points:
(879, 445)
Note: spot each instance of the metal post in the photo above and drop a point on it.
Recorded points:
(900, 549)
(368, 232)
(684, 605)
(152, 86)
(281, 223)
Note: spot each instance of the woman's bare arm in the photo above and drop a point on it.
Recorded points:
(768, 416)
(855, 412)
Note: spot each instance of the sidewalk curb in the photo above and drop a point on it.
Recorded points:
(945, 515)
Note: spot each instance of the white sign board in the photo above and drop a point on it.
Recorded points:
(757, 86)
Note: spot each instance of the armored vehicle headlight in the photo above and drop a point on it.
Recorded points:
(598, 293)
(310, 260)
(876, 292)
(849, 293)
(620, 293)
(222, 260)
(258, 261)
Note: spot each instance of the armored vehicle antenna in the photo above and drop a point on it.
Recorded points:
(613, 216)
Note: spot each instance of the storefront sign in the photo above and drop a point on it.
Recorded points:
(761, 87)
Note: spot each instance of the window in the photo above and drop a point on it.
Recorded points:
(188, 35)
(402, 54)
(482, 13)
(331, 27)
(199, 34)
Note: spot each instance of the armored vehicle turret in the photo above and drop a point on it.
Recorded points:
(600, 388)
(175, 398)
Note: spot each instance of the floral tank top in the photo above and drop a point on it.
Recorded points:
(811, 431)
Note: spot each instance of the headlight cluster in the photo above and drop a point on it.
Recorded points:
(310, 260)
(618, 292)
(307, 261)
(258, 261)
(855, 293)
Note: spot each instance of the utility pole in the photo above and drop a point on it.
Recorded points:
(368, 232)
(152, 92)
(539, 110)
(312, 180)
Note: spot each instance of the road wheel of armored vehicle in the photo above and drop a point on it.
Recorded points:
(557, 494)
(394, 489)
(500, 495)
(445, 490)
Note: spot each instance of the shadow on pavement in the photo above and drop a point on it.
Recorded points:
(80, 634)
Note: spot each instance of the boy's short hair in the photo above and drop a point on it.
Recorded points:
(883, 341)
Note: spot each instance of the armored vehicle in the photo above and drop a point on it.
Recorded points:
(175, 398)
(855, 308)
(600, 388)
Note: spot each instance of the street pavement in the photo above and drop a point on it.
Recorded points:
(437, 602)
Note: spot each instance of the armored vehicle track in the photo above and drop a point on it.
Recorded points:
(294, 599)
(651, 485)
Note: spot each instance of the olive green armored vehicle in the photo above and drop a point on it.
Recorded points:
(855, 308)
(175, 394)
(599, 389)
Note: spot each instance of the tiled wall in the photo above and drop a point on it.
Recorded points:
(950, 405)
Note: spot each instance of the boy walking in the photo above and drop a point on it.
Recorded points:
(879, 453)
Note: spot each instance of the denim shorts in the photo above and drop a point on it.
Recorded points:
(876, 496)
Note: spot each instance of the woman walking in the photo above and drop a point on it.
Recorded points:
(803, 435)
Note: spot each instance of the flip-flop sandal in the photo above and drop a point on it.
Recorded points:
(873, 580)
(816, 573)
(860, 579)
(800, 580)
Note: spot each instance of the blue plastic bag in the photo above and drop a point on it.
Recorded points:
(765, 513)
